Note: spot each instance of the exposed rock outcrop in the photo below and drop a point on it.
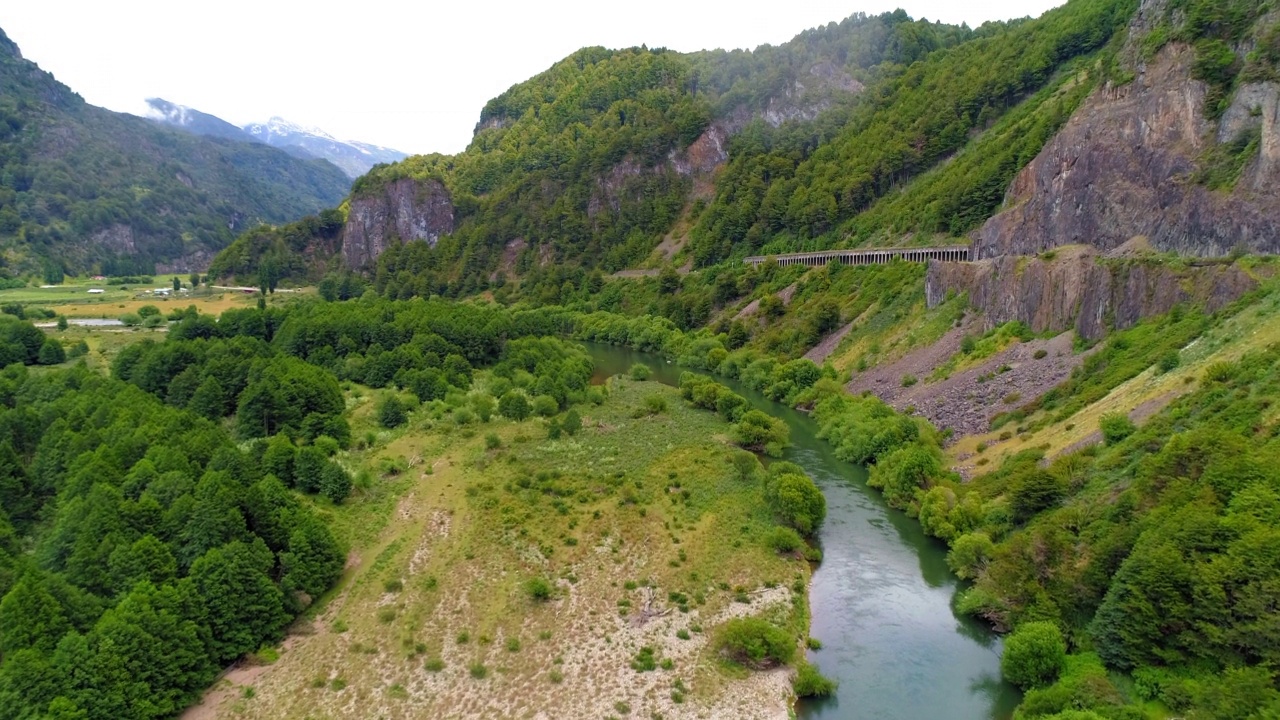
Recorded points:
(1123, 166)
(1080, 290)
(402, 211)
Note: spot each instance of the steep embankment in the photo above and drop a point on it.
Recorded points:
(1079, 288)
(1149, 159)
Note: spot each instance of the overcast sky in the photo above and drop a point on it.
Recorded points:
(408, 75)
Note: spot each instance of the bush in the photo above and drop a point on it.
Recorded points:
(479, 671)
(1169, 361)
(538, 589)
(655, 404)
(1041, 354)
(1034, 655)
(811, 683)
(784, 540)
(391, 413)
(492, 441)
(513, 406)
(131, 319)
(758, 431)
(755, 642)
(1115, 427)
(640, 372)
(797, 501)
(51, 353)
(909, 380)
(147, 311)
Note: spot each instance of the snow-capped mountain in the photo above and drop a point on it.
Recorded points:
(354, 158)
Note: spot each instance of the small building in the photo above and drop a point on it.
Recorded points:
(96, 291)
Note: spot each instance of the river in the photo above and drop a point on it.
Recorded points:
(882, 597)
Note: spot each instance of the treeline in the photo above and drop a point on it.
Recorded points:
(140, 550)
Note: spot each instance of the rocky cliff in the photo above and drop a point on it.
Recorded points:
(1126, 165)
(401, 211)
(1080, 289)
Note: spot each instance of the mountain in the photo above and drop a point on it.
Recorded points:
(194, 121)
(84, 188)
(354, 158)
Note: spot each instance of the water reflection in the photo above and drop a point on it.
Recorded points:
(882, 599)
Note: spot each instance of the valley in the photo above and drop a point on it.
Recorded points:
(901, 370)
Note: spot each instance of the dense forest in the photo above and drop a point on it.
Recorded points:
(83, 188)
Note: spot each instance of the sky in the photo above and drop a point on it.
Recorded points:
(407, 75)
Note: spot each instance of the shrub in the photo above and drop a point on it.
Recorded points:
(572, 422)
(1041, 354)
(640, 372)
(1168, 361)
(758, 431)
(433, 665)
(784, 540)
(1115, 427)
(1034, 655)
(492, 441)
(811, 683)
(908, 380)
(797, 501)
(968, 344)
(755, 642)
(645, 660)
(655, 404)
(479, 671)
(969, 554)
(538, 589)
(513, 406)
(131, 319)
(545, 406)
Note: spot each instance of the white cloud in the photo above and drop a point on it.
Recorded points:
(407, 75)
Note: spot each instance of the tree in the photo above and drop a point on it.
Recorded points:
(572, 422)
(244, 606)
(194, 280)
(1034, 491)
(62, 322)
(313, 562)
(51, 353)
(177, 284)
(391, 413)
(1034, 655)
(797, 501)
(335, 483)
(969, 554)
(514, 406)
(209, 400)
(30, 617)
(758, 431)
(308, 469)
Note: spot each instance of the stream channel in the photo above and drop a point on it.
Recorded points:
(882, 599)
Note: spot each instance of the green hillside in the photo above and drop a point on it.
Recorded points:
(82, 188)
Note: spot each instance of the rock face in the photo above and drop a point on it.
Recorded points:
(1123, 165)
(1081, 290)
(402, 211)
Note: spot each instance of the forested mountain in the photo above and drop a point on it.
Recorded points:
(83, 188)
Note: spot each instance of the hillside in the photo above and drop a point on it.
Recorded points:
(85, 189)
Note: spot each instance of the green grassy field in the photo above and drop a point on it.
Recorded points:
(638, 524)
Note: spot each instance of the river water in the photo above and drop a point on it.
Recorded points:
(882, 597)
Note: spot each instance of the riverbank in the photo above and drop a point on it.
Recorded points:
(646, 542)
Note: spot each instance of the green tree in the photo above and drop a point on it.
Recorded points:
(335, 483)
(62, 322)
(513, 406)
(797, 501)
(177, 284)
(51, 353)
(244, 606)
(572, 422)
(30, 617)
(758, 431)
(1035, 654)
(391, 412)
(312, 562)
(308, 469)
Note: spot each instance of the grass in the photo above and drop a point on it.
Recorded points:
(441, 560)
